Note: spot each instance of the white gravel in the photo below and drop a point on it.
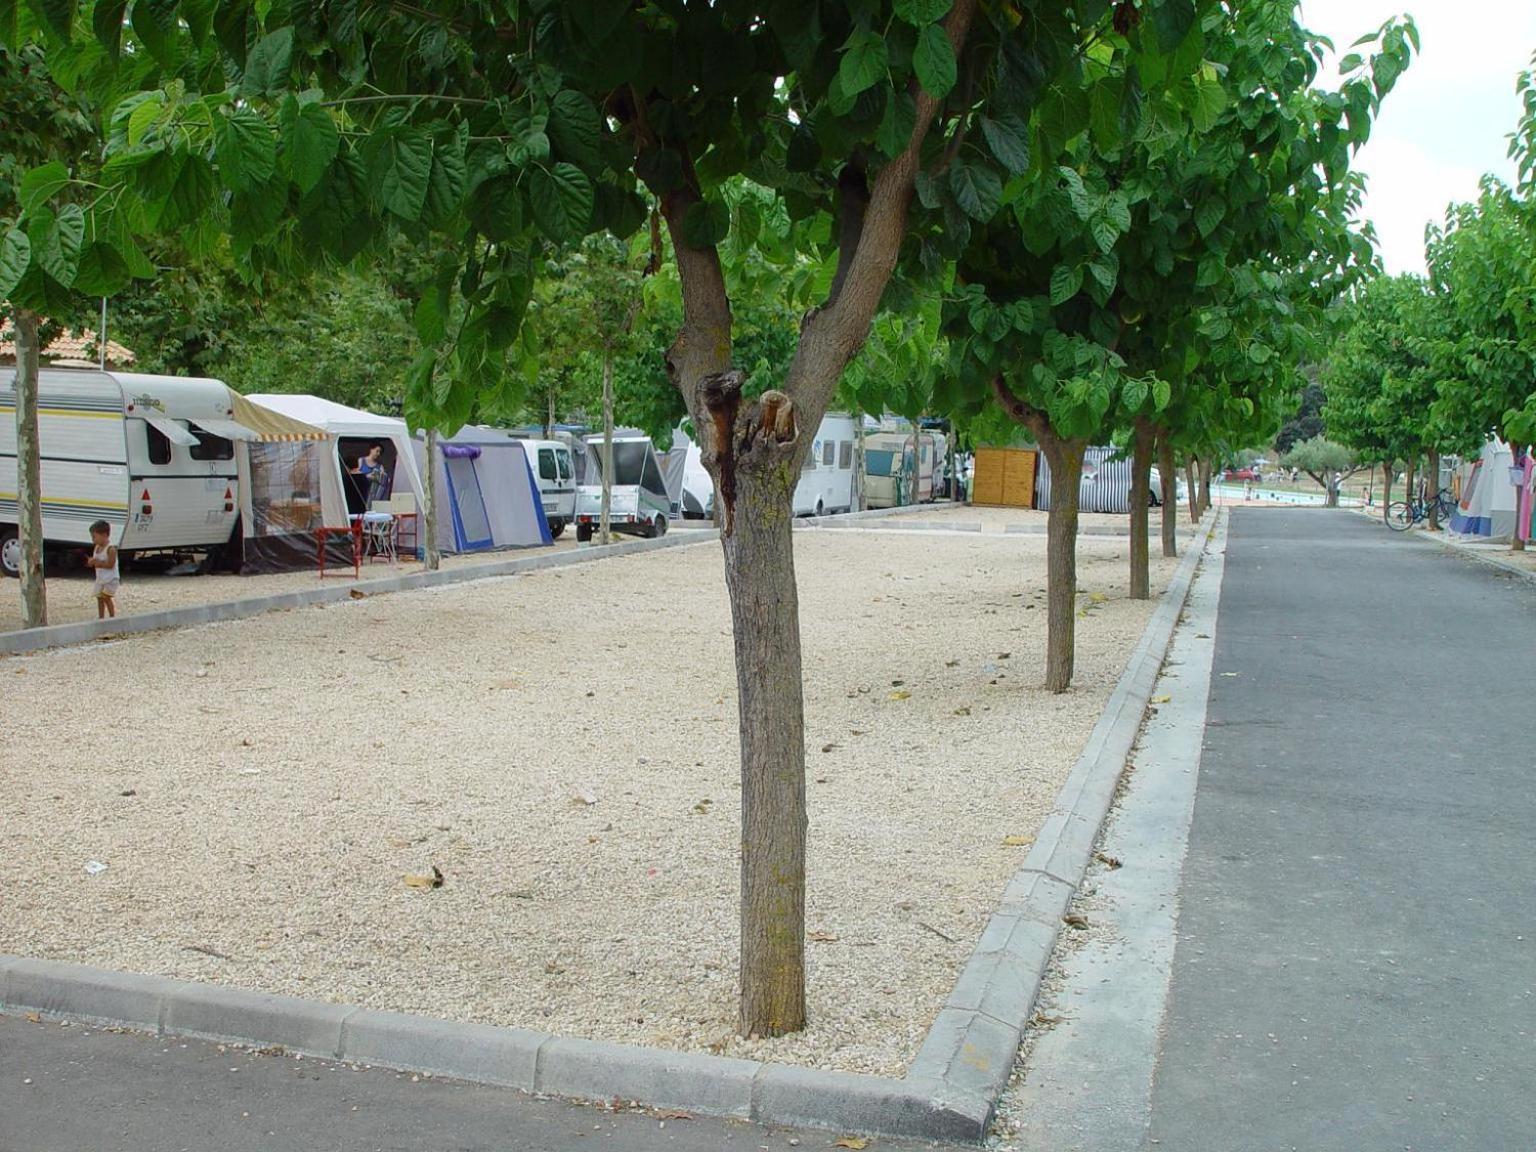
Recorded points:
(563, 746)
(71, 595)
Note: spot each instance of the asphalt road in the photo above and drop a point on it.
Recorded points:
(1356, 962)
(77, 1089)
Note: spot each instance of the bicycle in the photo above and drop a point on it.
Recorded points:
(1404, 514)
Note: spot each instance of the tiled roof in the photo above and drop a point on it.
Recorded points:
(79, 345)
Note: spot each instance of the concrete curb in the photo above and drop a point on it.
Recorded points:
(974, 1041)
(948, 1094)
(82, 632)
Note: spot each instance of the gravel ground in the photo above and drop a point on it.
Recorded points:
(71, 595)
(562, 745)
(1000, 519)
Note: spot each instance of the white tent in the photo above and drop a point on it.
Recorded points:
(287, 490)
(486, 492)
(1486, 510)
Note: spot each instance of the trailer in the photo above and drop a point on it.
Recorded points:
(153, 456)
(888, 468)
(639, 496)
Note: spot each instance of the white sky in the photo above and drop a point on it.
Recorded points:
(1447, 121)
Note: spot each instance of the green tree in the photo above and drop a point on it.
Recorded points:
(1482, 261)
(1307, 419)
(1325, 461)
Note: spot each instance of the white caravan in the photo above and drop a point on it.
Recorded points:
(888, 468)
(826, 480)
(153, 456)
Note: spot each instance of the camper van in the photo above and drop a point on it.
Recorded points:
(640, 505)
(888, 468)
(555, 471)
(153, 456)
(826, 479)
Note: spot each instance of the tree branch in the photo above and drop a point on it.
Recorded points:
(1019, 411)
(831, 335)
(853, 203)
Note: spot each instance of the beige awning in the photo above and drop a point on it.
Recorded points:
(271, 427)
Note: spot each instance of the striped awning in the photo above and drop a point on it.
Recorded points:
(268, 426)
(228, 429)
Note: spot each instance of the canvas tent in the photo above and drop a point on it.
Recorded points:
(1486, 510)
(486, 492)
(1105, 485)
(290, 486)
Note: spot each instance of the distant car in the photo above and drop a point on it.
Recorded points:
(1242, 474)
(1180, 488)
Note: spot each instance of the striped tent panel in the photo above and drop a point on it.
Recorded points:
(1105, 484)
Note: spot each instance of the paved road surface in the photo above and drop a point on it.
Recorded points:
(98, 1091)
(1356, 964)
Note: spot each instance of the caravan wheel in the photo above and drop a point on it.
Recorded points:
(10, 552)
(661, 526)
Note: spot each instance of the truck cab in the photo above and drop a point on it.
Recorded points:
(555, 472)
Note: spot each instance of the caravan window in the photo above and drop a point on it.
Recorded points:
(810, 459)
(563, 458)
(159, 445)
(547, 464)
(879, 461)
(845, 455)
(211, 447)
(828, 453)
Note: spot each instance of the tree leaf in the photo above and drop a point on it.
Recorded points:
(60, 253)
(921, 12)
(431, 323)
(41, 184)
(107, 24)
(154, 23)
(310, 141)
(977, 190)
(1171, 21)
(1105, 270)
(895, 131)
(1260, 353)
(58, 15)
(102, 271)
(266, 65)
(190, 194)
(1008, 137)
(1134, 394)
(561, 197)
(1104, 232)
(245, 148)
(864, 63)
(15, 258)
(445, 185)
(934, 61)
(706, 223)
(495, 207)
(401, 165)
(1209, 215)
(1162, 392)
(574, 129)
(1066, 282)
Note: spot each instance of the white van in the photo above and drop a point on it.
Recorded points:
(555, 471)
(826, 479)
(153, 456)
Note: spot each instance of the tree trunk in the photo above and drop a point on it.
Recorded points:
(29, 487)
(765, 615)
(917, 471)
(1142, 439)
(1205, 486)
(1169, 478)
(433, 557)
(1333, 490)
(1410, 474)
(1066, 461)
(549, 415)
(955, 495)
(1193, 494)
(1386, 491)
(1433, 468)
(1517, 457)
(860, 476)
(604, 519)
